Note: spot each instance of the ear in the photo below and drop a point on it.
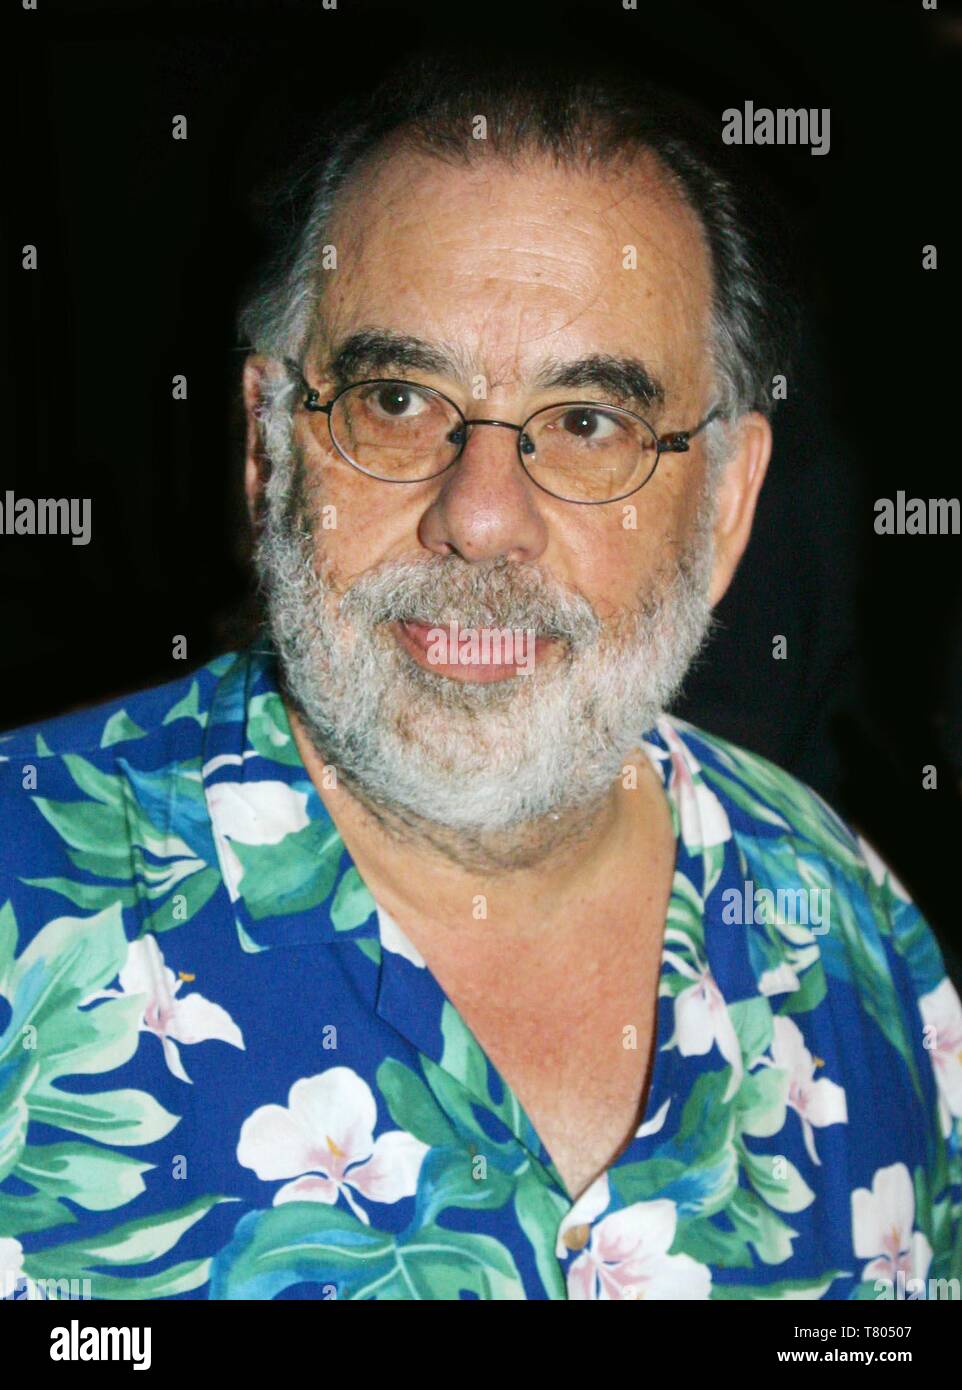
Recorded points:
(256, 463)
(738, 492)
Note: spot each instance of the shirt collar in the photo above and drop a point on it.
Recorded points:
(289, 877)
(292, 881)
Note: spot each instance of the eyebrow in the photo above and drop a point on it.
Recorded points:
(626, 380)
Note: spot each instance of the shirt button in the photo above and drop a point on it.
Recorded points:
(576, 1237)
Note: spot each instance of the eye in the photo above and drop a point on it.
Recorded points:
(395, 400)
(583, 422)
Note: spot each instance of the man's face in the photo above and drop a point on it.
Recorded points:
(512, 275)
(512, 270)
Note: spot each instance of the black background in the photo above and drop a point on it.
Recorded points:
(144, 241)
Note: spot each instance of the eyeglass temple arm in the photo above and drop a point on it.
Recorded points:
(678, 442)
(312, 400)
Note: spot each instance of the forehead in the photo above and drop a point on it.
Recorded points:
(512, 265)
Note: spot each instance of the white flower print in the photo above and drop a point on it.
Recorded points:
(14, 1283)
(781, 979)
(11, 1269)
(702, 1020)
(171, 1016)
(324, 1139)
(627, 1252)
(653, 1126)
(801, 951)
(942, 1015)
(816, 1102)
(253, 813)
(882, 1222)
(703, 821)
(879, 870)
(393, 939)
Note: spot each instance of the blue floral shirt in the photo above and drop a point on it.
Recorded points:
(225, 1073)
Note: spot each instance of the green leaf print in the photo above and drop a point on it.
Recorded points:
(810, 994)
(186, 899)
(16, 1078)
(269, 731)
(540, 1210)
(95, 1178)
(706, 1242)
(137, 1242)
(464, 1059)
(455, 1176)
(761, 1227)
(8, 942)
(187, 708)
(297, 1243)
(698, 1167)
(686, 913)
(777, 1180)
(450, 1175)
(92, 896)
(440, 1264)
(49, 1035)
(353, 903)
(865, 955)
(752, 1020)
(761, 1102)
(112, 836)
(117, 1117)
(786, 1289)
(180, 1278)
(59, 1027)
(38, 1212)
(85, 1042)
(91, 829)
(411, 1105)
(119, 728)
(68, 960)
(292, 876)
(642, 1182)
(310, 1242)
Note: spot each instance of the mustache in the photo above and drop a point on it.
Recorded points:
(495, 594)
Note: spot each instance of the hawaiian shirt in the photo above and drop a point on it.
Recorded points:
(225, 1073)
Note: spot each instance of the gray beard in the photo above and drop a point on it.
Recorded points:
(493, 776)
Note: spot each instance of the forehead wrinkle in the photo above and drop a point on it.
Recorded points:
(682, 273)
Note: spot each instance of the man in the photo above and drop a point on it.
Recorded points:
(416, 952)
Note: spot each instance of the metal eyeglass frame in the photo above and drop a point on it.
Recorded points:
(676, 442)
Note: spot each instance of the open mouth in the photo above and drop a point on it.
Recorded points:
(478, 654)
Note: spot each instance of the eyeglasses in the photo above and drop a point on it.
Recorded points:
(578, 451)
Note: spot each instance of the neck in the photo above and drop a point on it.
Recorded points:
(420, 870)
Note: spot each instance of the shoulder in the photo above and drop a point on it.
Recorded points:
(104, 809)
(788, 841)
(762, 802)
(818, 950)
(154, 714)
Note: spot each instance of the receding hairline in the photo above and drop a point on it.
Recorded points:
(606, 163)
(594, 121)
(656, 179)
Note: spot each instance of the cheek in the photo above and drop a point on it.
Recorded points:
(362, 523)
(625, 554)
(599, 562)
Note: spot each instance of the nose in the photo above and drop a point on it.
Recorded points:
(486, 507)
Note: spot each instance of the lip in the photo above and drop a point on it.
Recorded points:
(415, 638)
